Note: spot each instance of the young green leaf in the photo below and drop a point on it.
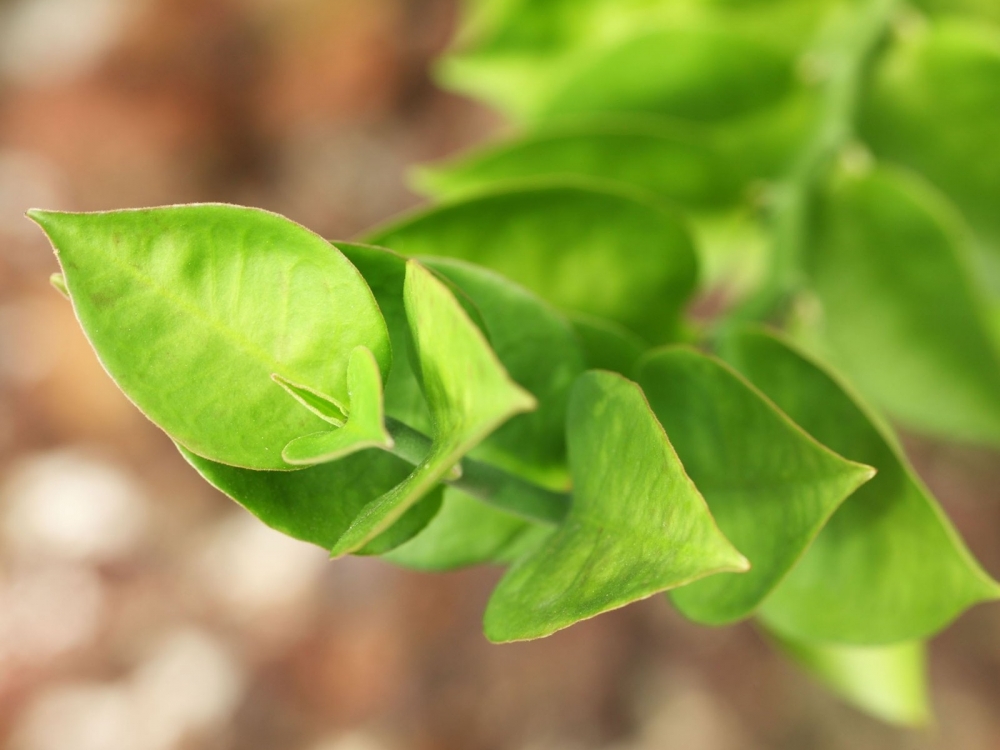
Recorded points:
(900, 310)
(888, 566)
(190, 307)
(365, 426)
(468, 532)
(888, 682)
(319, 503)
(637, 525)
(606, 251)
(658, 156)
(468, 392)
(537, 347)
(934, 105)
(769, 485)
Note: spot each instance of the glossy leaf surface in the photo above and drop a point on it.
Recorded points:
(189, 306)
(318, 504)
(889, 263)
(889, 682)
(467, 389)
(769, 485)
(888, 566)
(603, 251)
(637, 525)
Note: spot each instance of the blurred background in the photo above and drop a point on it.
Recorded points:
(141, 610)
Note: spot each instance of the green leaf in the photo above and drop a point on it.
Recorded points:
(537, 347)
(888, 682)
(365, 426)
(468, 392)
(319, 503)
(606, 345)
(769, 485)
(698, 74)
(190, 307)
(600, 250)
(516, 54)
(901, 314)
(934, 105)
(888, 566)
(637, 525)
(468, 532)
(661, 157)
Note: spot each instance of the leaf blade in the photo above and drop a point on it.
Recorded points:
(629, 534)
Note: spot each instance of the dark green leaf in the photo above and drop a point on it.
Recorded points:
(599, 250)
(537, 347)
(901, 314)
(318, 504)
(468, 532)
(467, 389)
(190, 307)
(888, 567)
(769, 485)
(606, 345)
(637, 525)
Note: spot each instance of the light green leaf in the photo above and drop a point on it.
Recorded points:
(934, 105)
(468, 532)
(888, 682)
(365, 426)
(637, 525)
(189, 307)
(606, 345)
(604, 251)
(517, 54)
(888, 566)
(769, 485)
(702, 74)
(901, 314)
(319, 503)
(537, 347)
(468, 392)
(661, 157)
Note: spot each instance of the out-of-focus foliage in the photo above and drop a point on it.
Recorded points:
(843, 151)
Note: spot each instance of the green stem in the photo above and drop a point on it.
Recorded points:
(485, 482)
(848, 60)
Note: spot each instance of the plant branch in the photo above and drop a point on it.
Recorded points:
(485, 482)
(846, 58)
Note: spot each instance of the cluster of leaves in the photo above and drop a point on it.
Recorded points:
(508, 376)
